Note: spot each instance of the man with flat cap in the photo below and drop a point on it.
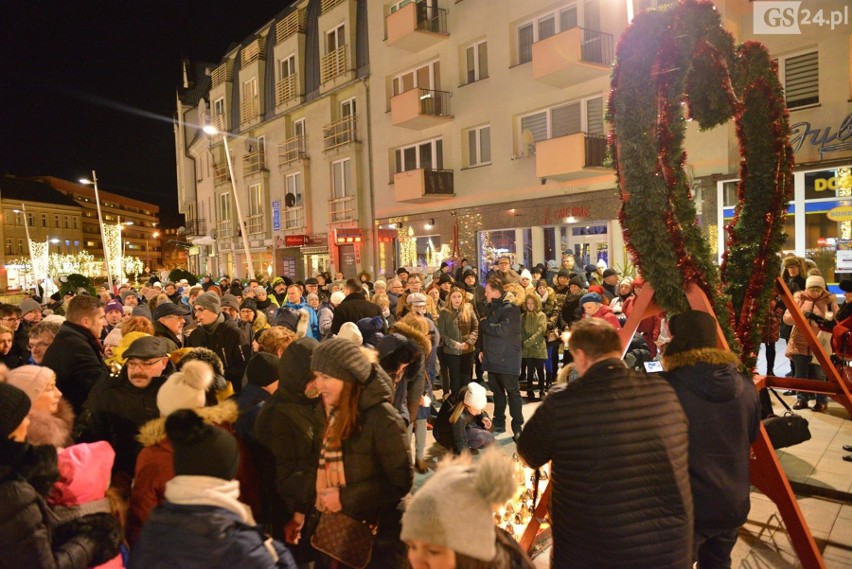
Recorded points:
(117, 407)
(169, 320)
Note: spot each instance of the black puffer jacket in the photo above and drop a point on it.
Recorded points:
(29, 538)
(288, 432)
(621, 498)
(114, 412)
(501, 338)
(352, 309)
(77, 360)
(226, 340)
(714, 393)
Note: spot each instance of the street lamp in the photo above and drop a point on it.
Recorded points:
(213, 131)
(94, 183)
(148, 248)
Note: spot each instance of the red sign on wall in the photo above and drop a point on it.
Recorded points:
(558, 214)
(347, 235)
(294, 240)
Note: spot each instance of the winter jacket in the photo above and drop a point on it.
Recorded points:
(325, 315)
(226, 340)
(453, 436)
(313, 324)
(352, 309)
(618, 443)
(605, 313)
(289, 432)
(533, 332)
(714, 392)
(268, 308)
(204, 537)
(617, 306)
(501, 338)
(476, 296)
(249, 402)
(114, 412)
(155, 466)
(820, 306)
(77, 359)
(454, 330)
(29, 534)
(51, 428)
(162, 332)
(414, 376)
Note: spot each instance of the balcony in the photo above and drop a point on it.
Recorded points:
(419, 186)
(220, 174)
(222, 74)
(294, 217)
(420, 108)
(218, 121)
(571, 157)
(339, 133)
(571, 57)
(253, 51)
(341, 209)
(223, 229)
(291, 150)
(334, 64)
(290, 25)
(249, 110)
(254, 162)
(286, 90)
(327, 5)
(196, 228)
(416, 27)
(255, 224)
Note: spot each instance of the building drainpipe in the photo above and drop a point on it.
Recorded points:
(374, 229)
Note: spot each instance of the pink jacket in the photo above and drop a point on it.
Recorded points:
(84, 475)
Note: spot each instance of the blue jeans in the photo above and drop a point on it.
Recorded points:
(805, 369)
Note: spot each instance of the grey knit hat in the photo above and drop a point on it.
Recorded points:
(29, 305)
(209, 301)
(475, 489)
(342, 359)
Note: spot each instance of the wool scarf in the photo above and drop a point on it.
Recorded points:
(331, 473)
(208, 491)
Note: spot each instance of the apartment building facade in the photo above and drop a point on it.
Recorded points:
(290, 102)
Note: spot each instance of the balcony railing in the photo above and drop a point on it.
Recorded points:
(254, 162)
(596, 47)
(294, 217)
(341, 209)
(223, 229)
(431, 19)
(334, 64)
(255, 224)
(338, 133)
(438, 182)
(292, 24)
(222, 74)
(196, 227)
(327, 5)
(220, 174)
(218, 122)
(596, 146)
(435, 103)
(253, 51)
(286, 89)
(291, 150)
(249, 109)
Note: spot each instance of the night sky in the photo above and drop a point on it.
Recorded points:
(92, 85)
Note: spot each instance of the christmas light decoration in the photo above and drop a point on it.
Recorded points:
(112, 249)
(407, 247)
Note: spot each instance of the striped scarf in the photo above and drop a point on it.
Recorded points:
(331, 474)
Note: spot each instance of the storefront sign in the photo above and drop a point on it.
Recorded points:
(194, 250)
(294, 240)
(347, 235)
(802, 131)
(557, 215)
(317, 239)
(844, 255)
(276, 215)
(842, 213)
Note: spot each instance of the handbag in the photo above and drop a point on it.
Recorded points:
(345, 539)
(787, 430)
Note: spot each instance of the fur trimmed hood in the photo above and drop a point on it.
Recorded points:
(412, 333)
(52, 428)
(710, 374)
(154, 431)
(711, 356)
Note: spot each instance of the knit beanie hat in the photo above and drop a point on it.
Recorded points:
(113, 305)
(691, 330)
(610, 273)
(29, 305)
(416, 299)
(475, 397)
(127, 293)
(342, 359)
(185, 389)
(590, 297)
(228, 300)
(84, 473)
(525, 274)
(32, 380)
(209, 301)
(14, 406)
(601, 264)
(262, 369)
(576, 280)
(564, 273)
(337, 297)
(475, 489)
(201, 449)
(350, 331)
(445, 278)
(249, 303)
(815, 280)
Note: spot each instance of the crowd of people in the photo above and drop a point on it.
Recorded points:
(248, 424)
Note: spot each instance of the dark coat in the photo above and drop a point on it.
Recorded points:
(713, 392)
(28, 536)
(352, 309)
(203, 537)
(501, 338)
(76, 357)
(618, 443)
(115, 411)
(227, 341)
(249, 401)
(163, 332)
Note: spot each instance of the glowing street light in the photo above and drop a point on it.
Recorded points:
(94, 183)
(213, 131)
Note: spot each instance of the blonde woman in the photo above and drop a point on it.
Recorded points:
(459, 329)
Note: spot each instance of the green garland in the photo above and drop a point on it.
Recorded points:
(683, 55)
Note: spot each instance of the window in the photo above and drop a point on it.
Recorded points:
(65, 221)
(255, 199)
(479, 146)
(341, 179)
(799, 74)
(428, 155)
(10, 247)
(578, 116)
(396, 6)
(44, 220)
(543, 27)
(219, 107)
(425, 77)
(225, 206)
(30, 219)
(335, 39)
(476, 62)
(250, 89)
(299, 128)
(293, 183)
(347, 108)
(287, 67)
(20, 246)
(56, 221)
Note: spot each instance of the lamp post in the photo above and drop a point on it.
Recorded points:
(29, 241)
(147, 247)
(213, 131)
(94, 183)
(122, 247)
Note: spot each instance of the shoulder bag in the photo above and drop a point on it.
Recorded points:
(787, 430)
(345, 539)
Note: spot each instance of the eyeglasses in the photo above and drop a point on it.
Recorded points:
(10, 319)
(36, 345)
(145, 365)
